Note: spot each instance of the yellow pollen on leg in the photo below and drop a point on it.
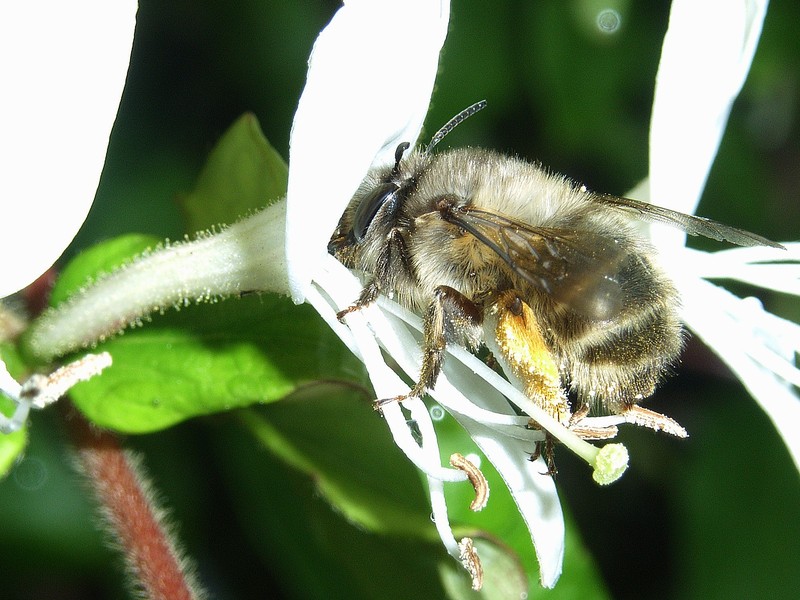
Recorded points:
(521, 342)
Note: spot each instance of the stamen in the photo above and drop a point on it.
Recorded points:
(40, 390)
(471, 561)
(476, 478)
(545, 420)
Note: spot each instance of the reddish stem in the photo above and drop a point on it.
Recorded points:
(128, 508)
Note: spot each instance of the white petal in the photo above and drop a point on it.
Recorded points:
(8, 385)
(705, 59)
(370, 79)
(64, 67)
(759, 348)
(768, 268)
(482, 415)
(336, 287)
(534, 492)
(340, 287)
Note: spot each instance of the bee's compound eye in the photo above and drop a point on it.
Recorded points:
(369, 207)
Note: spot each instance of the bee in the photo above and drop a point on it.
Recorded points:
(555, 278)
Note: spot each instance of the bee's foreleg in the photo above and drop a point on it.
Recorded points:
(452, 318)
(384, 272)
(367, 296)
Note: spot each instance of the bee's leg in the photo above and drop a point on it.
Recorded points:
(521, 343)
(546, 448)
(367, 296)
(384, 274)
(594, 433)
(588, 432)
(452, 318)
(579, 415)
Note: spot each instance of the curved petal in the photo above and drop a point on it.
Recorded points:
(370, 79)
(757, 346)
(64, 67)
(534, 493)
(705, 59)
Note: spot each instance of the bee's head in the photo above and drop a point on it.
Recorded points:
(382, 192)
(385, 193)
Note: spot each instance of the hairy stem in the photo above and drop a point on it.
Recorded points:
(135, 523)
(247, 256)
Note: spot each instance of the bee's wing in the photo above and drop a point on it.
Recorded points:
(691, 224)
(578, 269)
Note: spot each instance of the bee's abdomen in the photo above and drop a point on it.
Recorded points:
(630, 364)
(619, 362)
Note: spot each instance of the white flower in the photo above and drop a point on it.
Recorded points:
(706, 56)
(349, 119)
(707, 53)
(64, 66)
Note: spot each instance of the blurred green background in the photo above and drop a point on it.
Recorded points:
(714, 516)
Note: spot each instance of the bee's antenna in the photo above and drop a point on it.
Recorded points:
(453, 123)
(398, 156)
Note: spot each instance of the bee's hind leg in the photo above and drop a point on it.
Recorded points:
(451, 318)
(520, 343)
(547, 449)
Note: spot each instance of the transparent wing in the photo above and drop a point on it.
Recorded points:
(578, 269)
(691, 224)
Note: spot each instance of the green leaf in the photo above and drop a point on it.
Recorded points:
(210, 358)
(243, 173)
(332, 433)
(302, 541)
(204, 358)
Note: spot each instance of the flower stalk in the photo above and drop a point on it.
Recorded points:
(244, 257)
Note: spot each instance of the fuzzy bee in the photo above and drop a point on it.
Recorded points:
(557, 279)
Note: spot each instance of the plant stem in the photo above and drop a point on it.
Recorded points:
(136, 525)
